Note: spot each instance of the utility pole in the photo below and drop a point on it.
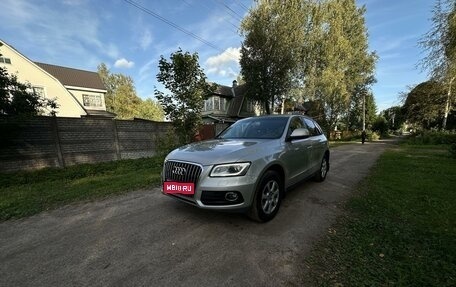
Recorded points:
(364, 110)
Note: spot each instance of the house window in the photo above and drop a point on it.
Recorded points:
(215, 103)
(208, 105)
(5, 60)
(39, 91)
(92, 101)
(249, 106)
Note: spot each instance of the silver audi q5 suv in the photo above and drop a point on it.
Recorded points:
(249, 166)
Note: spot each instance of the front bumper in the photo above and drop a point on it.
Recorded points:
(210, 192)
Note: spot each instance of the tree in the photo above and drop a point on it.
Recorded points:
(307, 51)
(354, 118)
(121, 97)
(423, 105)
(380, 125)
(395, 116)
(269, 50)
(440, 45)
(150, 110)
(183, 77)
(343, 66)
(19, 99)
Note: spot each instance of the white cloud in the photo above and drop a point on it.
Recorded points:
(146, 39)
(230, 54)
(222, 64)
(124, 63)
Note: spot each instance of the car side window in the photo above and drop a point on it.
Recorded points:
(295, 123)
(313, 130)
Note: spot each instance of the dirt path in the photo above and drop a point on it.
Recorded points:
(146, 239)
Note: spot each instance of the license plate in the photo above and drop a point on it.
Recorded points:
(178, 187)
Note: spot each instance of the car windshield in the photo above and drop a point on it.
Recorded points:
(256, 128)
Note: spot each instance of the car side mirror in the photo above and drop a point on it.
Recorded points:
(299, 133)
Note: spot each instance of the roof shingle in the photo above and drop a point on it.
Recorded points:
(74, 77)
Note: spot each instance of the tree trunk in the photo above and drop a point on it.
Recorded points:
(447, 105)
(266, 107)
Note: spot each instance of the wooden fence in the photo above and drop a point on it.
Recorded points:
(58, 142)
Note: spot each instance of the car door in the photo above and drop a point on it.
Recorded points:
(318, 142)
(297, 153)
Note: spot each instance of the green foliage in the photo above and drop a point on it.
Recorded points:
(452, 150)
(307, 51)
(395, 116)
(381, 126)
(439, 43)
(398, 230)
(150, 110)
(27, 193)
(166, 143)
(184, 78)
(372, 136)
(432, 138)
(269, 51)
(121, 97)
(341, 65)
(19, 99)
(355, 111)
(425, 103)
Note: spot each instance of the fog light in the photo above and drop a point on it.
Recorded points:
(231, 196)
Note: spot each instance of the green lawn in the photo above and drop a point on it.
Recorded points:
(400, 228)
(27, 193)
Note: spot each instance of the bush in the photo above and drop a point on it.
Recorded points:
(452, 150)
(432, 138)
(372, 136)
(166, 143)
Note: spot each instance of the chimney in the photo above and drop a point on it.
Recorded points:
(233, 87)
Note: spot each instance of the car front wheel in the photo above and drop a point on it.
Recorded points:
(320, 175)
(268, 197)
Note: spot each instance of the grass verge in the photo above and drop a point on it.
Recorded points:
(27, 193)
(400, 228)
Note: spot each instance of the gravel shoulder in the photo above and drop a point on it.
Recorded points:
(144, 238)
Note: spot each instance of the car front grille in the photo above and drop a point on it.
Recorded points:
(182, 172)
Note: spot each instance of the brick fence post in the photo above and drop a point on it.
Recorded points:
(116, 140)
(55, 133)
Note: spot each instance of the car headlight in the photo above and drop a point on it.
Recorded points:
(230, 169)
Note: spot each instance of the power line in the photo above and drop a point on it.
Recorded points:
(233, 13)
(242, 5)
(174, 25)
(210, 10)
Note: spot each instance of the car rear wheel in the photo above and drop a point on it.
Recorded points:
(268, 197)
(320, 175)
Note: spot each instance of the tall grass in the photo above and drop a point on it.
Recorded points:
(400, 229)
(27, 193)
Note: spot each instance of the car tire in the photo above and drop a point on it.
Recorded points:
(320, 174)
(268, 197)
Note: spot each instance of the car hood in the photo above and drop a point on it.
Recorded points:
(219, 151)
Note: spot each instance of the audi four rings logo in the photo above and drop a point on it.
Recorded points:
(178, 170)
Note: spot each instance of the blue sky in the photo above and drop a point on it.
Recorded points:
(83, 33)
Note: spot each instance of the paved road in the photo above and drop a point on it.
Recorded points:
(146, 239)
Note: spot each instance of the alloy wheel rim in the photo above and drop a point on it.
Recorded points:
(324, 168)
(270, 197)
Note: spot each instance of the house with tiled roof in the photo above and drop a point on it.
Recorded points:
(78, 93)
(228, 104)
